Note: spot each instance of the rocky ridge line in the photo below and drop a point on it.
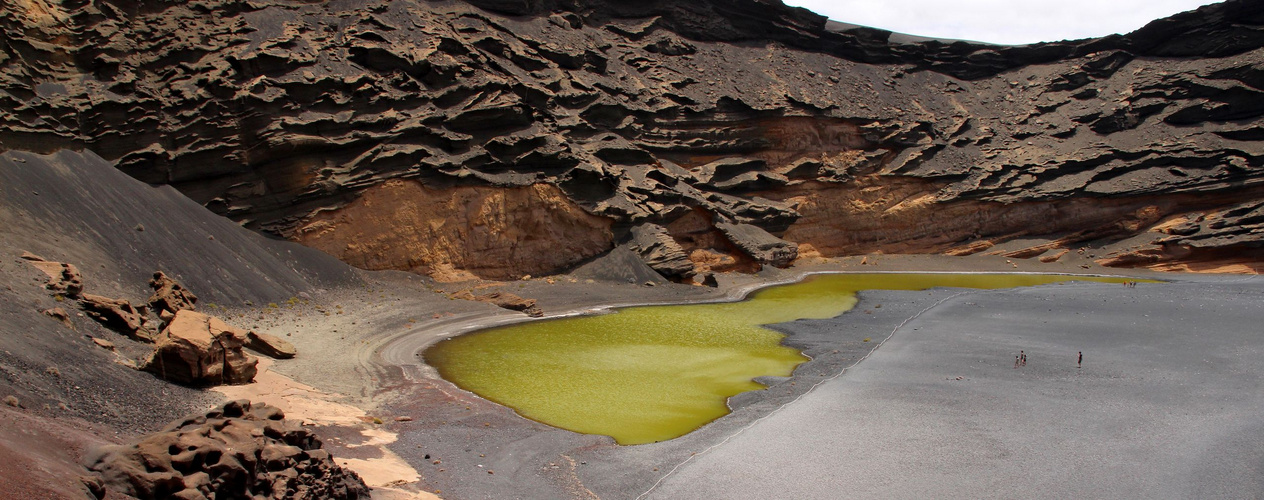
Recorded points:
(812, 138)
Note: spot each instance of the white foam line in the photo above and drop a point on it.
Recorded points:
(805, 393)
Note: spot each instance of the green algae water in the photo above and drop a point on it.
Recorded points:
(652, 373)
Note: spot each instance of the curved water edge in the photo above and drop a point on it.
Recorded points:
(655, 373)
(390, 353)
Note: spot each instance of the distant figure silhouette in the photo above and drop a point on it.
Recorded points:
(1080, 361)
(1022, 358)
(1015, 361)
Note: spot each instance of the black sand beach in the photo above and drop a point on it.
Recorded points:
(1166, 405)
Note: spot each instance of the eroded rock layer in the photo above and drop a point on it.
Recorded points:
(489, 231)
(506, 138)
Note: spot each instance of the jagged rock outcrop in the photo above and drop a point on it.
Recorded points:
(63, 279)
(763, 247)
(449, 138)
(1220, 241)
(119, 315)
(169, 296)
(239, 450)
(660, 251)
(200, 350)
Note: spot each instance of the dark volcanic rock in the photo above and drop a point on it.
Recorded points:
(620, 265)
(290, 118)
(660, 251)
(240, 450)
(764, 247)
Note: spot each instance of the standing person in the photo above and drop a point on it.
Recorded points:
(1022, 358)
(1015, 361)
(1080, 361)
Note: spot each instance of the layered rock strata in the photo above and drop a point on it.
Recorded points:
(497, 139)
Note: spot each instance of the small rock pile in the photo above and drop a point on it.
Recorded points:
(239, 450)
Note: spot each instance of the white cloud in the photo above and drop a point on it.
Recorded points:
(1001, 21)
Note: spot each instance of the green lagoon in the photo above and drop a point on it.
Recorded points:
(653, 373)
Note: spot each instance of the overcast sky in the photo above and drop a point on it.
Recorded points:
(1001, 21)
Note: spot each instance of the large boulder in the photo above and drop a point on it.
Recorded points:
(201, 350)
(240, 450)
(169, 295)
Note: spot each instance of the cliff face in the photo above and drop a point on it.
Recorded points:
(510, 137)
(451, 234)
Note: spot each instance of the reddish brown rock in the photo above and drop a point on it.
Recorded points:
(118, 315)
(61, 315)
(270, 345)
(169, 295)
(200, 350)
(63, 279)
(492, 232)
(240, 450)
(504, 300)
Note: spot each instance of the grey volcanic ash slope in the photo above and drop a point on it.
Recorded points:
(76, 208)
(504, 138)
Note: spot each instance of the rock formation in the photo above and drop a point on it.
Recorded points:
(269, 345)
(119, 315)
(63, 279)
(60, 315)
(199, 350)
(169, 295)
(239, 450)
(499, 138)
(503, 300)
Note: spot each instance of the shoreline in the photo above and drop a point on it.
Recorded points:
(733, 294)
(389, 378)
(942, 401)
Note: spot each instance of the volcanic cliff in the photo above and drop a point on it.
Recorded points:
(498, 138)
